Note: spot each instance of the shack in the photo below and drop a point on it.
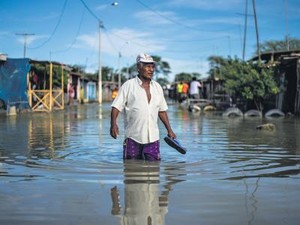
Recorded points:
(288, 75)
(85, 88)
(31, 84)
(13, 87)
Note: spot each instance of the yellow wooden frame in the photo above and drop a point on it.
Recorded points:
(49, 99)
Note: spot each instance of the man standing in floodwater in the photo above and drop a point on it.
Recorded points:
(143, 101)
(194, 88)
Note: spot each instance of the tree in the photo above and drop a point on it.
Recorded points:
(162, 81)
(43, 71)
(162, 67)
(183, 77)
(216, 62)
(197, 75)
(283, 45)
(132, 70)
(106, 74)
(78, 68)
(249, 81)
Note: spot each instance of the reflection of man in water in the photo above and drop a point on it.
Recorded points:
(144, 204)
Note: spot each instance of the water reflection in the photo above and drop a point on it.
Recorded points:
(251, 200)
(257, 153)
(44, 135)
(144, 202)
(231, 171)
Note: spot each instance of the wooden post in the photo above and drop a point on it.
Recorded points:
(257, 34)
(29, 92)
(62, 88)
(245, 30)
(50, 88)
(297, 99)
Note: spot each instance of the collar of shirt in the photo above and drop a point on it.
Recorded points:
(140, 82)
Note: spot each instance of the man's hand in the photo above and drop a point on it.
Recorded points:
(114, 131)
(171, 134)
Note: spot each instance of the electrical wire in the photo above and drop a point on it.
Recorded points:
(75, 39)
(179, 23)
(165, 17)
(110, 41)
(126, 40)
(55, 28)
(197, 40)
(134, 42)
(98, 19)
(90, 11)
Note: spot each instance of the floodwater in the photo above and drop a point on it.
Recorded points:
(64, 168)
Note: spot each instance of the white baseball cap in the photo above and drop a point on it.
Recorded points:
(144, 58)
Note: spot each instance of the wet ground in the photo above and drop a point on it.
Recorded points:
(64, 168)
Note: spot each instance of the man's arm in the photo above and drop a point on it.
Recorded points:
(114, 129)
(163, 116)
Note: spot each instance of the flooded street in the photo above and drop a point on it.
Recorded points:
(64, 168)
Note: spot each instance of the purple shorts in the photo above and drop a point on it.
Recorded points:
(134, 150)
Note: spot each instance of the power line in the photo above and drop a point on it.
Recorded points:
(53, 32)
(25, 35)
(99, 52)
(90, 11)
(165, 17)
(197, 40)
(177, 22)
(110, 41)
(98, 19)
(75, 39)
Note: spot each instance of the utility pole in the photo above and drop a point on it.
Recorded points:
(99, 66)
(287, 26)
(229, 44)
(25, 35)
(119, 71)
(257, 35)
(245, 30)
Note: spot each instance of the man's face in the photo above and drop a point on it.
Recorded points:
(146, 70)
